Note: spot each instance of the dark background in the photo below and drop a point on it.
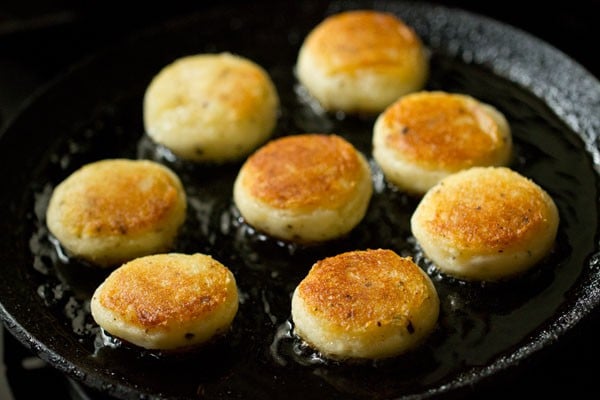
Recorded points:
(40, 39)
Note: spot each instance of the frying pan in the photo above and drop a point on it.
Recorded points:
(485, 331)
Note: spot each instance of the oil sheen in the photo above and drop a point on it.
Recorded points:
(261, 357)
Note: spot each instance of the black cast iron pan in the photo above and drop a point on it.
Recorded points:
(95, 112)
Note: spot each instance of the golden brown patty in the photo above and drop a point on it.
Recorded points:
(111, 211)
(361, 61)
(211, 107)
(304, 188)
(365, 304)
(425, 136)
(485, 223)
(167, 301)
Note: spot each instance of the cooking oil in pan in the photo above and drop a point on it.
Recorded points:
(261, 356)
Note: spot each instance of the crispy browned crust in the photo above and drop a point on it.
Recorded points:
(355, 40)
(151, 292)
(124, 198)
(493, 210)
(442, 130)
(303, 172)
(358, 289)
